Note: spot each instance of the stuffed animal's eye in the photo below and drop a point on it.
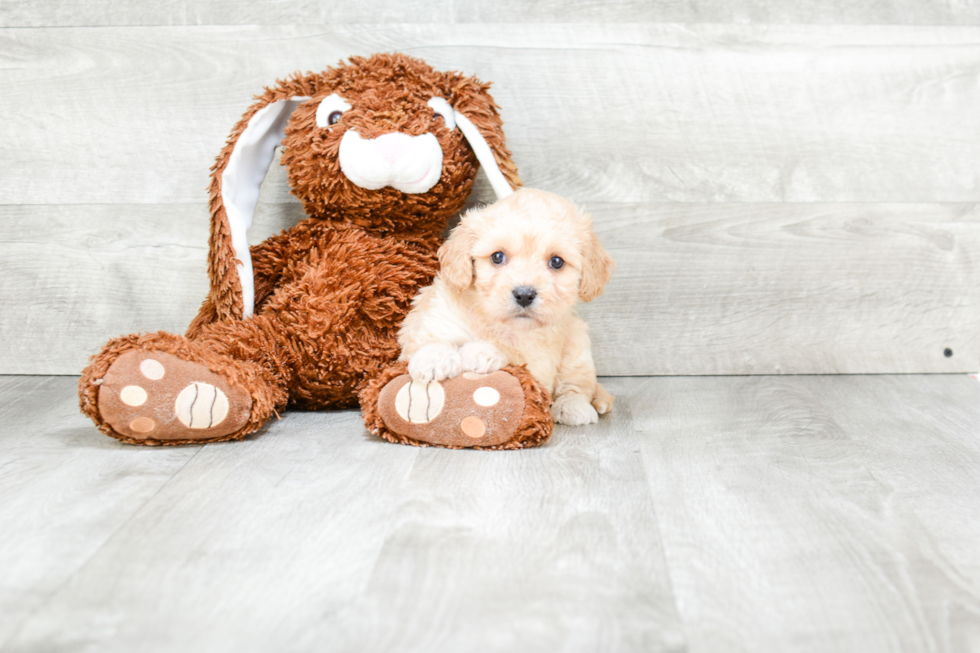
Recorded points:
(556, 263)
(442, 110)
(498, 258)
(330, 110)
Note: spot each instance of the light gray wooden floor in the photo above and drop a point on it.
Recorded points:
(834, 513)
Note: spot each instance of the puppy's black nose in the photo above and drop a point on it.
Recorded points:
(525, 295)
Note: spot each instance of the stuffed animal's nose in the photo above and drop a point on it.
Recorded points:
(392, 146)
(525, 295)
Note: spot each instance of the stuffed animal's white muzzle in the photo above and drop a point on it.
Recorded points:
(411, 164)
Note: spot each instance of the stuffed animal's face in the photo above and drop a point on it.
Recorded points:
(379, 143)
(385, 142)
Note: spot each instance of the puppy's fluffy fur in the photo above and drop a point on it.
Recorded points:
(476, 316)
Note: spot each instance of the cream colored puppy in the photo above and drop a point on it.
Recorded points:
(510, 276)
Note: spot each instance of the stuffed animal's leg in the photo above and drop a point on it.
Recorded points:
(162, 388)
(506, 409)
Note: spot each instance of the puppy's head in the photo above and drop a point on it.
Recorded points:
(528, 258)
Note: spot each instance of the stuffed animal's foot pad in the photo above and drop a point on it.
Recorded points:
(152, 395)
(470, 410)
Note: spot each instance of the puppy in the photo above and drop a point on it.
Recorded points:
(510, 276)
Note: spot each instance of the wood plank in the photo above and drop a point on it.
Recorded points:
(817, 513)
(701, 288)
(554, 549)
(788, 289)
(628, 112)
(280, 529)
(65, 491)
(74, 276)
(30, 13)
(826, 513)
(71, 277)
(316, 535)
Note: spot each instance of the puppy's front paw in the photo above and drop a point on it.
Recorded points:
(435, 362)
(481, 357)
(573, 409)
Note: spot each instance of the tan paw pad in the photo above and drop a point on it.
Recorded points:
(486, 396)
(152, 369)
(133, 395)
(201, 406)
(473, 427)
(420, 402)
(142, 425)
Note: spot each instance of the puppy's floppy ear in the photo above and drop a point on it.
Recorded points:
(455, 261)
(478, 117)
(235, 180)
(596, 271)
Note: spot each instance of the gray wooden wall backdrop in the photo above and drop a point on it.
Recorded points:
(786, 188)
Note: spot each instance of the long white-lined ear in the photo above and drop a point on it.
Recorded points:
(484, 155)
(442, 108)
(242, 178)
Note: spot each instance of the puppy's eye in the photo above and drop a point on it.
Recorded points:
(498, 258)
(556, 263)
(334, 117)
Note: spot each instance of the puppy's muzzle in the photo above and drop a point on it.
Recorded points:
(524, 295)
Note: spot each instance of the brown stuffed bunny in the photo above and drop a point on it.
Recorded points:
(382, 151)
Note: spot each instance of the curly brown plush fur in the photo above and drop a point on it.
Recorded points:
(331, 292)
(389, 93)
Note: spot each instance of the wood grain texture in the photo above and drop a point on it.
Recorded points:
(552, 550)
(31, 13)
(71, 277)
(826, 514)
(689, 113)
(700, 289)
(316, 536)
(854, 494)
(672, 134)
(65, 492)
(788, 288)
